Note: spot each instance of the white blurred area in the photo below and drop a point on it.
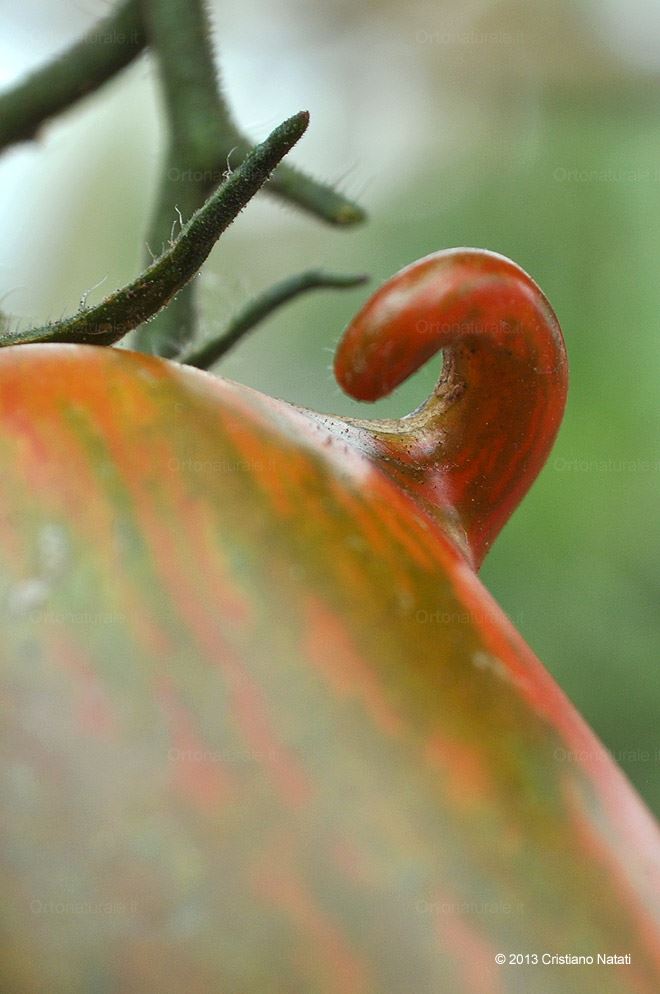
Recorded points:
(391, 87)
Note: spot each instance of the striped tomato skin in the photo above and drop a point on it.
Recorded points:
(262, 727)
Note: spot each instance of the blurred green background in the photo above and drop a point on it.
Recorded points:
(528, 128)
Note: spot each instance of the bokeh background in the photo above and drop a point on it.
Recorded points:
(521, 126)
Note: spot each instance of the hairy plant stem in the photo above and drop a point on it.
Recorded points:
(198, 120)
(202, 139)
(261, 307)
(106, 49)
(201, 123)
(130, 306)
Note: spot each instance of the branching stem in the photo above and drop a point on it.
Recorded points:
(136, 303)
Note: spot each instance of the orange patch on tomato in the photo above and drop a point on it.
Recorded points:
(95, 711)
(267, 465)
(327, 954)
(351, 862)
(196, 771)
(397, 512)
(330, 648)
(463, 770)
(472, 952)
(601, 852)
(250, 709)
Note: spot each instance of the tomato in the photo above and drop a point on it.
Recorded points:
(263, 728)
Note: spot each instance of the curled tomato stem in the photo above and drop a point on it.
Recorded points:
(473, 449)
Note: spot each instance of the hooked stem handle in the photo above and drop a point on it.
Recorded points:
(473, 449)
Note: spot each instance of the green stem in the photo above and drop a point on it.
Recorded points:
(203, 133)
(262, 307)
(313, 197)
(110, 46)
(132, 305)
(179, 32)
